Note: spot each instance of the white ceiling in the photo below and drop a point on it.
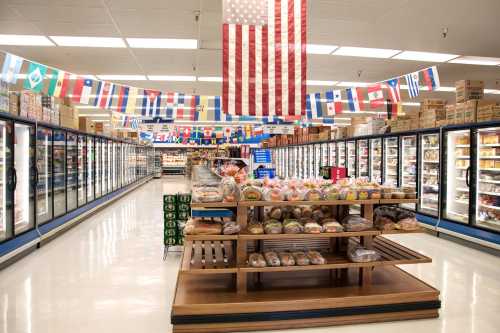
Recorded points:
(473, 28)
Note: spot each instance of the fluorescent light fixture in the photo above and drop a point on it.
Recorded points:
(320, 83)
(365, 52)
(353, 84)
(320, 48)
(445, 89)
(492, 91)
(210, 78)
(162, 43)
(469, 60)
(410, 104)
(25, 40)
(425, 56)
(172, 78)
(122, 77)
(88, 41)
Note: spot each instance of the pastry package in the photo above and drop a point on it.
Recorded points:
(230, 228)
(275, 213)
(286, 259)
(202, 227)
(273, 227)
(230, 190)
(398, 195)
(294, 195)
(256, 260)
(408, 224)
(384, 223)
(313, 195)
(273, 194)
(331, 193)
(361, 254)
(312, 228)
(206, 194)
(255, 228)
(291, 226)
(331, 225)
(272, 259)
(316, 258)
(356, 223)
(348, 194)
(251, 193)
(363, 194)
(301, 258)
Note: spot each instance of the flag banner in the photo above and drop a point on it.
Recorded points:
(102, 93)
(264, 57)
(151, 103)
(58, 86)
(431, 78)
(109, 97)
(131, 100)
(82, 90)
(313, 106)
(329, 120)
(134, 123)
(394, 90)
(412, 80)
(122, 99)
(376, 96)
(35, 76)
(393, 109)
(11, 67)
(333, 102)
(354, 99)
(176, 105)
(126, 121)
(202, 113)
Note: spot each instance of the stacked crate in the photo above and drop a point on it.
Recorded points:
(176, 211)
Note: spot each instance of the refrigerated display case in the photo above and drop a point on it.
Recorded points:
(391, 161)
(351, 158)
(429, 174)
(59, 152)
(376, 160)
(72, 170)
(408, 170)
(312, 162)
(98, 168)
(6, 200)
(82, 170)
(105, 166)
(316, 160)
(457, 175)
(91, 174)
(301, 165)
(341, 159)
(362, 158)
(44, 175)
(332, 154)
(487, 213)
(325, 161)
(286, 163)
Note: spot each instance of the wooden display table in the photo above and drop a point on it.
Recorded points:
(218, 292)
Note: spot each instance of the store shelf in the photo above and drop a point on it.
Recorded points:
(308, 203)
(462, 189)
(489, 145)
(458, 214)
(429, 161)
(490, 193)
(489, 157)
(462, 146)
(488, 181)
(489, 206)
(429, 208)
(397, 201)
(462, 157)
(430, 148)
(210, 237)
(208, 257)
(248, 236)
(463, 202)
(213, 204)
(489, 169)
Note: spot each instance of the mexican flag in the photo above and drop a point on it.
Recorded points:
(59, 83)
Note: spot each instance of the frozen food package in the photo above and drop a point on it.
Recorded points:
(408, 224)
(291, 226)
(273, 227)
(230, 190)
(316, 258)
(361, 254)
(312, 228)
(255, 228)
(206, 194)
(301, 258)
(256, 260)
(273, 194)
(356, 223)
(251, 193)
(313, 195)
(275, 213)
(330, 225)
(272, 259)
(230, 228)
(286, 259)
(294, 195)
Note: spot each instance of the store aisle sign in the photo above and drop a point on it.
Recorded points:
(262, 156)
(278, 129)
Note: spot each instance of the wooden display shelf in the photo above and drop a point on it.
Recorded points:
(248, 236)
(210, 237)
(397, 201)
(309, 203)
(398, 232)
(213, 204)
(208, 257)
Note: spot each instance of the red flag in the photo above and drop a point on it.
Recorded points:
(77, 89)
(375, 96)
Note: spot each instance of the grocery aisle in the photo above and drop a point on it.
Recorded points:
(107, 275)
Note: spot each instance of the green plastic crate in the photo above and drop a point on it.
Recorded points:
(183, 198)
(169, 198)
(169, 207)
(184, 207)
(169, 215)
(183, 215)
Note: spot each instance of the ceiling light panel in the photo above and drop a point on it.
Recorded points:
(210, 78)
(485, 61)
(187, 78)
(425, 56)
(122, 77)
(320, 48)
(88, 41)
(320, 83)
(365, 52)
(162, 43)
(25, 40)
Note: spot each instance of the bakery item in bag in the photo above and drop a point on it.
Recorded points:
(286, 259)
(272, 259)
(256, 260)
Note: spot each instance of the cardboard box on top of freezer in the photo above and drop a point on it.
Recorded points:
(433, 102)
(488, 111)
(470, 111)
(459, 113)
(469, 89)
(86, 125)
(450, 114)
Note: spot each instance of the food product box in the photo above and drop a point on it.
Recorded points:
(86, 125)
(469, 89)
(14, 101)
(4, 96)
(459, 113)
(433, 102)
(450, 114)
(488, 111)
(470, 108)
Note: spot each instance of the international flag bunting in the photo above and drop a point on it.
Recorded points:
(264, 57)
(131, 100)
(175, 101)
(186, 111)
(126, 121)
(207, 132)
(101, 95)
(354, 99)
(111, 94)
(393, 109)
(11, 67)
(121, 105)
(376, 96)
(151, 103)
(333, 102)
(58, 86)
(82, 90)
(412, 80)
(313, 106)
(394, 90)
(431, 78)
(134, 123)
(328, 120)
(35, 76)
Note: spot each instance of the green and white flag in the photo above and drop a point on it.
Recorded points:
(35, 76)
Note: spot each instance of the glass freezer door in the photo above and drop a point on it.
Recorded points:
(105, 166)
(457, 176)
(317, 160)
(59, 173)
(82, 167)
(341, 154)
(98, 168)
(90, 169)
(6, 198)
(72, 170)
(429, 171)
(409, 165)
(391, 161)
(351, 158)
(488, 179)
(332, 160)
(376, 160)
(325, 161)
(312, 161)
(44, 175)
(362, 158)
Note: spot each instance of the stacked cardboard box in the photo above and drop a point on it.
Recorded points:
(432, 113)
(68, 117)
(469, 89)
(4, 97)
(470, 109)
(27, 105)
(14, 103)
(86, 125)
(488, 111)
(450, 114)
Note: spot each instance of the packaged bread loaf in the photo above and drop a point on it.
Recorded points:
(356, 223)
(291, 226)
(273, 194)
(286, 259)
(251, 193)
(202, 227)
(316, 258)
(255, 228)
(272, 259)
(301, 258)
(360, 254)
(408, 224)
(256, 260)
(313, 195)
(331, 225)
(275, 213)
(206, 194)
(312, 228)
(230, 190)
(273, 227)
(317, 214)
(230, 228)
(294, 195)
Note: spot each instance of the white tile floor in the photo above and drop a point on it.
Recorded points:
(107, 275)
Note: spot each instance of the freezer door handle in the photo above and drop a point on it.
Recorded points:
(14, 178)
(467, 173)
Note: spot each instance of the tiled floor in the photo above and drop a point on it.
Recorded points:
(107, 275)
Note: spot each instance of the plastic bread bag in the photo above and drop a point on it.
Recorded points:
(384, 223)
(331, 193)
(256, 260)
(331, 225)
(291, 226)
(313, 195)
(272, 259)
(206, 194)
(273, 227)
(189, 227)
(251, 193)
(360, 254)
(408, 224)
(273, 194)
(315, 258)
(203, 227)
(312, 228)
(301, 258)
(230, 228)
(293, 194)
(286, 259)
(230, 190)
(356, 223)
(255, 228)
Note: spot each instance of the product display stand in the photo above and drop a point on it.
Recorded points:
(217, 291)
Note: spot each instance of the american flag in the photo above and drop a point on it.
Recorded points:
(264, 57)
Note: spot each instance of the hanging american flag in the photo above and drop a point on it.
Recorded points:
(264, 57)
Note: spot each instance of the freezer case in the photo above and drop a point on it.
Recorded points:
(409, 165)
(429, 174)
(362, 158)
(316, 160)
(488, 179)
(6, 181)
(44, 211)
(376, 160)
(351, 158)
(457, 157)
(59, 172)
(332, 158)
(325, 161)
(341, 154)
(391, 163)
